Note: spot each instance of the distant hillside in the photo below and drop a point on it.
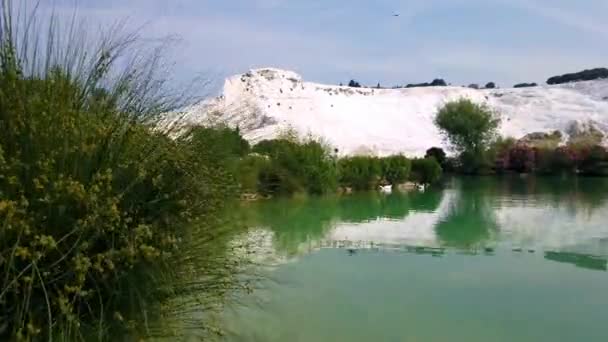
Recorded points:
(585, 75)
(266, 102)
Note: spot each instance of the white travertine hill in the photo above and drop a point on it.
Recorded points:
(266, 102)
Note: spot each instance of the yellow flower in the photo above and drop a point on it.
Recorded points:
(110, 264)
(38, 184)
(64, 305)
(157, 180)
(23, 252)
(47, 241)
(4, 205)
(118, 316)
(31, 328)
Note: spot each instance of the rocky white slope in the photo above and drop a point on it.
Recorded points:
(266, 102)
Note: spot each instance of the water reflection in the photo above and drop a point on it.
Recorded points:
(579, 260)
(470, 222)
(563, 218)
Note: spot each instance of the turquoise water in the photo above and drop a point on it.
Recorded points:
(479, 259)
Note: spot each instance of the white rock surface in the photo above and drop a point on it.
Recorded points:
(266, 102)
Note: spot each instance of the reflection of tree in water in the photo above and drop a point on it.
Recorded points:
(586, 193)
(591, 192)
(585, 261)
(469, 222)
(360, 207)
(427, 201)
(395, 206)
(372, 206)
(295, 222)
(470, 218)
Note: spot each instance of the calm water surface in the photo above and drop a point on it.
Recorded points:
(479, 259)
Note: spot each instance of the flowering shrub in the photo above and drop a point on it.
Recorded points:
(522, 158)
(594, 161)
(587, 160)
(89, 194)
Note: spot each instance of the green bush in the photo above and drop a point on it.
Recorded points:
(90, 195)
(281, 175)
(594, 161)
(555, 161)
(273, 147)
(426, 171)
(249, 170)
(360, 172)
(396, 169)
(220, 148)
(475, 163)
(501, 147)
(296, 166)
(274, 179)
(587, 160)
(522, 158)
(318, 167)
(219, 143)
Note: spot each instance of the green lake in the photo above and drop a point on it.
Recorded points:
(476, 259)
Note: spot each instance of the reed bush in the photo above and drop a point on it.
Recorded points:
(91, 196)
(426, 170)
(296, 166)
(360, 172)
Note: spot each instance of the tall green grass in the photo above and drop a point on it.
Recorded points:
(360, 172)
(94, 203)
(296, 166)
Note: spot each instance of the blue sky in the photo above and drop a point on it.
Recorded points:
(462, 41)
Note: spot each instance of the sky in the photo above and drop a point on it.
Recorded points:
(333, 41)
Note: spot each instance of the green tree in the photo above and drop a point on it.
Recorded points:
(468, 126)
(437, 153)
(354, 84)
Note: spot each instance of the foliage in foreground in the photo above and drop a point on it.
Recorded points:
(93, 203)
